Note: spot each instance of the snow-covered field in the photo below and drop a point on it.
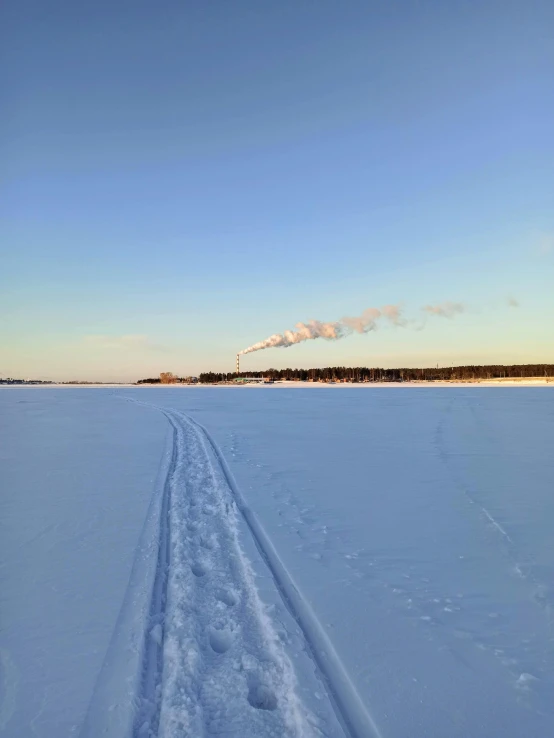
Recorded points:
(274, 561)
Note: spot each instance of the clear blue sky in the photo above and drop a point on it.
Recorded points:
(181, 179)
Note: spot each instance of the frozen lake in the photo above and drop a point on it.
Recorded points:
(332, 561)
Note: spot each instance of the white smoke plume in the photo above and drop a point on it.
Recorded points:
(364, 323)
(393, 313)
(445, 309)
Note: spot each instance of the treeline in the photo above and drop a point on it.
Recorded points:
(365, 374)
(9, 380)
(168, 378)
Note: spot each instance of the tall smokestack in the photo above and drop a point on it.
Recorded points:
(238, 363)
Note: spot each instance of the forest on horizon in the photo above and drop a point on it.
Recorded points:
(366, 374)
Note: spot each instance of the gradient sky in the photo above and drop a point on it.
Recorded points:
(181, 179)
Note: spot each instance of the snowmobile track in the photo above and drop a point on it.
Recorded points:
(212, 662)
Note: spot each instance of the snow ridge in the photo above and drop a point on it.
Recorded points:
(148, 713)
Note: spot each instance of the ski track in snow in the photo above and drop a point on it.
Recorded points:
(523, 566)
(213, 664)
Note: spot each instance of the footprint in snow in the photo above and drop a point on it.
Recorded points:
(227, 596)
(221, 639)
(199, 568)
(207, 542)
(261, 697)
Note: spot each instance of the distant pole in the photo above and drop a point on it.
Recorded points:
(238, 363)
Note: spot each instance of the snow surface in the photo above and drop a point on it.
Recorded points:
(273, 561)
(77, 471)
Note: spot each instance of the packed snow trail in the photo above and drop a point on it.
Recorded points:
(342, 691)
(212, 663)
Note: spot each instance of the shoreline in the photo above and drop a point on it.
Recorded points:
(530, 382)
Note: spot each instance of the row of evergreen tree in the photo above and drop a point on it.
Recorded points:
(365, 374)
